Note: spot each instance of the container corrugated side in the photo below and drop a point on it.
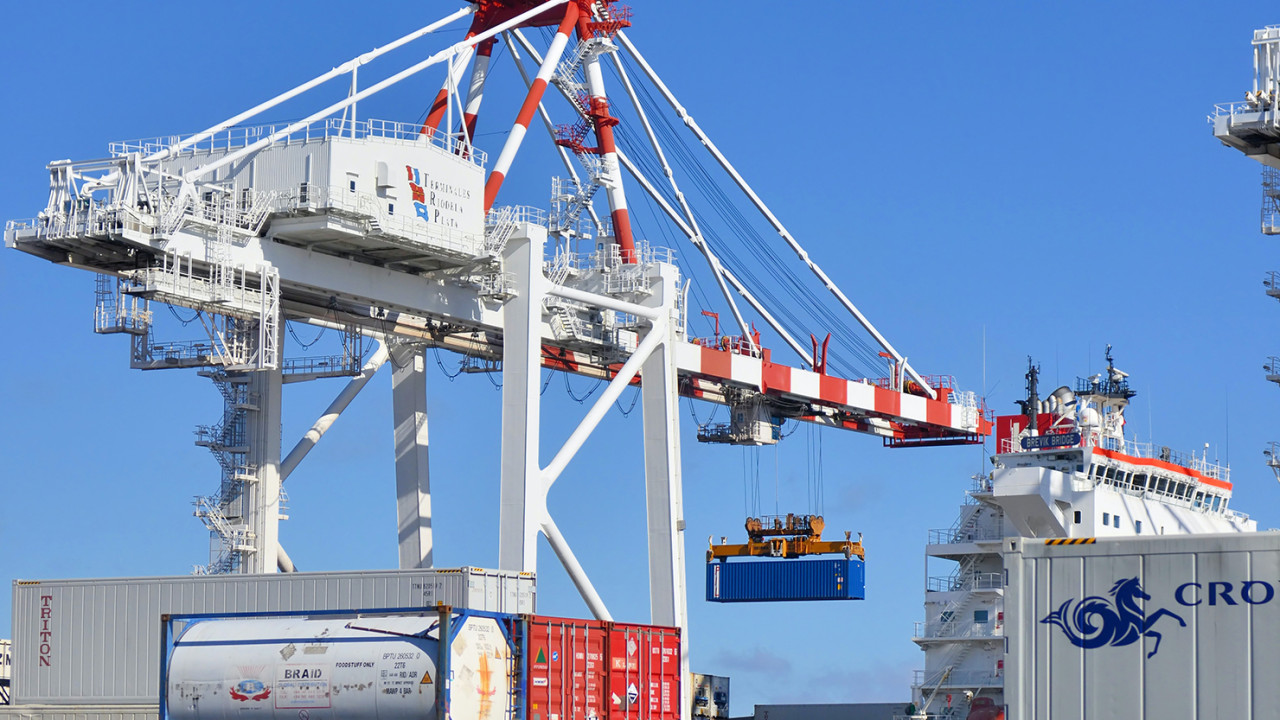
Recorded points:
(613, 671)
(1143, 628)
(97, 641)
(771, 580)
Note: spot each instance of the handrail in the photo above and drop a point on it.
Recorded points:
(238, 137)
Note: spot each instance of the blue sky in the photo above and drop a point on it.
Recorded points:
(987, 181)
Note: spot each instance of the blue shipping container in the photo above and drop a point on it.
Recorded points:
(771, 580)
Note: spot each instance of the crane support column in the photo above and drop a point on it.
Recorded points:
(262, 430)
(413, 474)
(660, 403)
(522, 496)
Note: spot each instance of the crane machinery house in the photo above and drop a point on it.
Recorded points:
(380, 191)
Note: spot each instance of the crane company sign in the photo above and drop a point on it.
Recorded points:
(439, 201)
(1122, 619)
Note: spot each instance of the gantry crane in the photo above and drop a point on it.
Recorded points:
(391, 232)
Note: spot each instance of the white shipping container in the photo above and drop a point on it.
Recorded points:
(1168, 627)
(93, 642)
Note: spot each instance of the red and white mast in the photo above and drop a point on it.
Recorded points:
(597, 109)
(512, 146)
(475, 90)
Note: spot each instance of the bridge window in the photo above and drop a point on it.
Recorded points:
(1140, 482)
(1162, 485)
(1216, 501)
(1199, 500)
(1077, 517)
(1106, 519)
(1115, 521)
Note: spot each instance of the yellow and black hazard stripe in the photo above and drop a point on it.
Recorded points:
(1071, 541)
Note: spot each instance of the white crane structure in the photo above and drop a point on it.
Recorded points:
(389, 233)
(1252, 126)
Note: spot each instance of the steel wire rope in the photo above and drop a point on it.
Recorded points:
(641, 159)
(819, 311)
(698, 292)
(732, 217)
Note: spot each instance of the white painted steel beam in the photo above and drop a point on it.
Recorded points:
(284, 563)
(742, 184)
(435, 59)
(413, 476)
(576, 573)
(522, 498)
(350, 66)
(664, 492)
(656, 336)
(331, 413)
(262, 430)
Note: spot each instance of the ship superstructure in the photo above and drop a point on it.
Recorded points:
(1063, 469)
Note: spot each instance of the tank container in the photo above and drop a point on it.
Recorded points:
(428, 666)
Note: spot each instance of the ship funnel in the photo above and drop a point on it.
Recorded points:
(1064, 402)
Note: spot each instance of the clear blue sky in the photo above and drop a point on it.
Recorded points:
(1040, 175)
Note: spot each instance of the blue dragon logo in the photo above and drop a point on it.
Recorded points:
(1098, 621)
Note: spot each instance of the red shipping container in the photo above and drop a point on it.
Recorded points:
(587, 670)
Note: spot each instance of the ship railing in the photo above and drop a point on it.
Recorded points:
(976, 581)
(1184, 459)
(957, 678)
(951, 536)
(1231, 109)
(954, 629)
(328, 128)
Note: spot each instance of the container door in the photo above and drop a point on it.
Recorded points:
(644, 673)
(566, 669)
